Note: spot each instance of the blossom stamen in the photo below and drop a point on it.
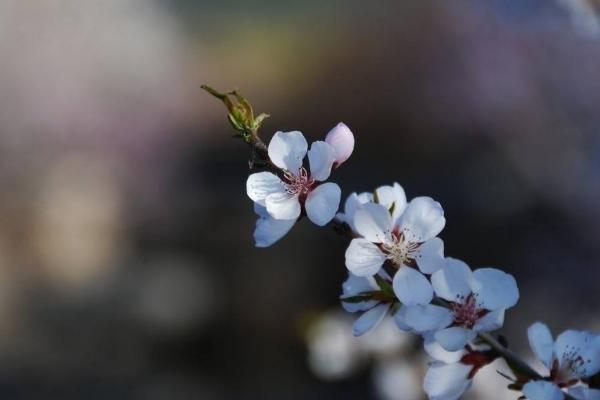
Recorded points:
(467, 311)
(400, 251)
(300, 184)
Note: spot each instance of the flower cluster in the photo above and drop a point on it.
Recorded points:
(397, 266)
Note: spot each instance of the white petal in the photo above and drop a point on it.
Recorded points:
(399, 319)
(351, 204)
(541, 342)
(269, 230)
(283, 206)
(370, 319)
(495, 289)
(399, 201)
(452, 281)
(446, 381)
(373, 222)
(454, 338)
(411, 287)
(422, 220)
(365, 197)
(392, 198)
(430, 256)
(584, 393)
(437, 352)
(542, 390)
(490, 321)
(424, 318)
(356, 285)
(364, 258)
(260, 210)
(322, 203)
(287, 150)
(342, 140)
(585, 345)
(385, 196)
(261, 185)
(321, 157)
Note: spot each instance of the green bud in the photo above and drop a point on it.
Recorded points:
(240, 113)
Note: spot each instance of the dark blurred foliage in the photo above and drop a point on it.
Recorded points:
(127, 263)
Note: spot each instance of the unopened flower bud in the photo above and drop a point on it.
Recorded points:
(342, 140)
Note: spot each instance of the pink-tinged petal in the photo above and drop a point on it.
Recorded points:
(425, 318)
(261, 185)
(411, 287)
(370, 319)
(437, 352)
(287, 150)
(447, 381)
(422, 219)
(490, 322)
(269, 230)
(283, 206)
(321, 157)
(364, 258)
(354, 286)
(541, 342)
(542, 390)
(453, 281)
(373, 222)
(495, 289)
(322, 203)
(342, 140)
(430, 256)
(454, 338)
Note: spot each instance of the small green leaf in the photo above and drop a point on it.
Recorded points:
(357, 299)
(259, 120)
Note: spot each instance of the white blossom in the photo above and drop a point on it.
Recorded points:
(285, 198)
(575, 355)
(476, 303)
(408, 241)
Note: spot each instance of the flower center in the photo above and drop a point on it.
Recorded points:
(467, 311)
(572, 366)
(299, 184)
(400, 251)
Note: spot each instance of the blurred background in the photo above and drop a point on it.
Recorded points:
(127, 266)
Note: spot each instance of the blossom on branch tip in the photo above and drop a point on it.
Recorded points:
(474, 302)
(575, 355)
(406, 242)
(285, 197)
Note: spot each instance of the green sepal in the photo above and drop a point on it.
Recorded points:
(357, 299)
(385, 286)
